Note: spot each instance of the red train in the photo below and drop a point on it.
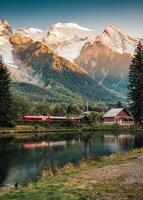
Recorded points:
(46, 118)
(50, 119)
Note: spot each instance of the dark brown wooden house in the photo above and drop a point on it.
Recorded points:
(118, 116)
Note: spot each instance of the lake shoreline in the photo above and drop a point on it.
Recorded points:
(111, 176)
(28, 133)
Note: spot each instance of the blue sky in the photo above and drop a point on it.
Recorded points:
(127, 15)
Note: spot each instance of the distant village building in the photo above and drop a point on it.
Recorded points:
(83, 119)
(118, 116)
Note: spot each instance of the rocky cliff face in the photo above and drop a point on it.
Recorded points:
(34, 33)
(107, 59)
(42, 65)
(34, 54)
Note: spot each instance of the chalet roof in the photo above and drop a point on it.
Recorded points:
(82, 117)
(113, 112)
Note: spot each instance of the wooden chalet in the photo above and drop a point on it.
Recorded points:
(118, 116)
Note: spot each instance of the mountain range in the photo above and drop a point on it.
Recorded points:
(67, 62)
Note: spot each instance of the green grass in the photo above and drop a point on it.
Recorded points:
(67, 183)
(30, 128)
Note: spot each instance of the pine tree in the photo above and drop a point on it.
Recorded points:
(5, 96)
(119, 104)
(136, 85)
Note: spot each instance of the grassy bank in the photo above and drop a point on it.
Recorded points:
(30, 131)
(118, 176)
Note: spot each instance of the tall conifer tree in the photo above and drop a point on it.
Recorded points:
(5, 96)
(136, 85)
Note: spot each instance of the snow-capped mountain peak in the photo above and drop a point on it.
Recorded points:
(71, 29)
(5, 46)
(112, 28)
(117, 40)
(69, 25)
(4, 22)
(5, 29)
(68, 38)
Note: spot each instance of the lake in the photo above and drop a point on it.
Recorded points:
(25, 162)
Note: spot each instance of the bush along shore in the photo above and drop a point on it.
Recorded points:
(118, 176)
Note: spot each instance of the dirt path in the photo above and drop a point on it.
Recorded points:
(118, 182)
(133, 170)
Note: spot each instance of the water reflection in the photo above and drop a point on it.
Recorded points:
(25, 162)
(30, 145)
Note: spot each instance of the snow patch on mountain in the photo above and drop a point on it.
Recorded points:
(54, 37)
(118, 41)
(71, 50)
(6, 50)
(1, 28)
(34, 33)
(67, 39)
(70, 25)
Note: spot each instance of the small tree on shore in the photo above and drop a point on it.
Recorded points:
(136, 85)
(5, 96)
